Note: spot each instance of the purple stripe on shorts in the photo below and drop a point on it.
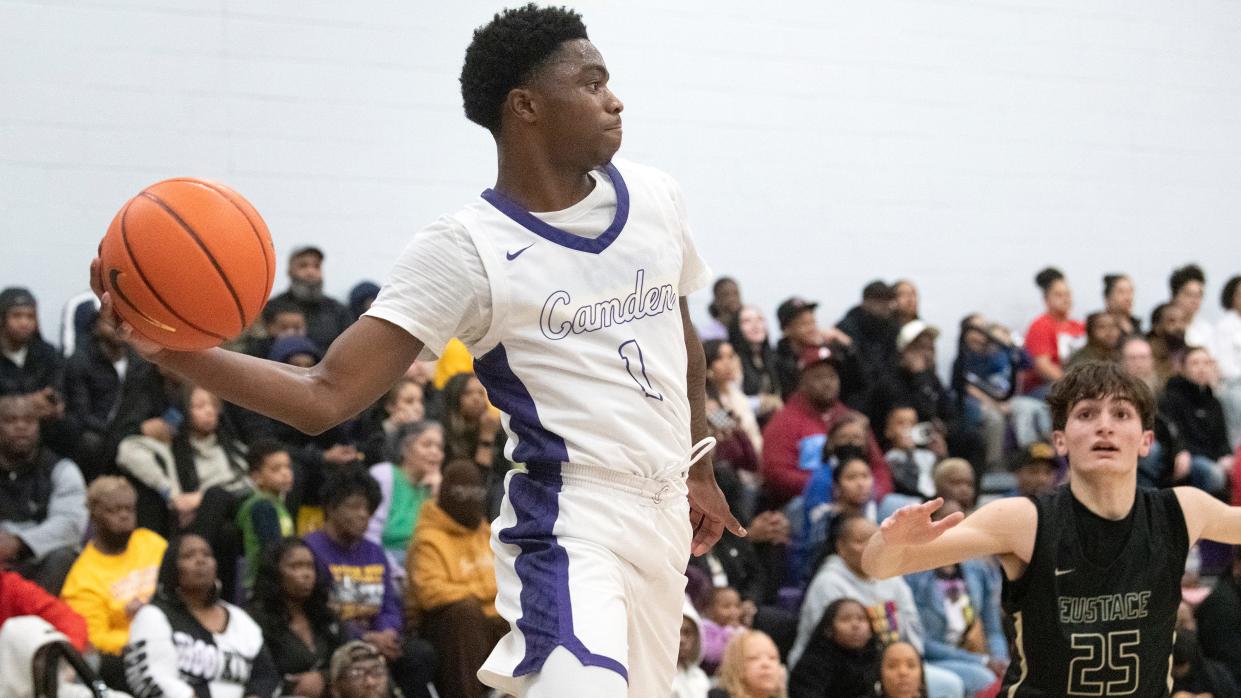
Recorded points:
(543, 564)
(543, 567)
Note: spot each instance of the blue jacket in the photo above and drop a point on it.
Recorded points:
(982, 582)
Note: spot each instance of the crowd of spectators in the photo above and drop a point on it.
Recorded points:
(191, 547)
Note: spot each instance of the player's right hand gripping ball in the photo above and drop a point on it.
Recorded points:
(189, 263)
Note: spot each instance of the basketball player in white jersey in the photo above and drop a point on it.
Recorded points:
(567, 280)
(1092, 570)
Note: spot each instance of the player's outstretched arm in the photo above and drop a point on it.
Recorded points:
(909, 541)
(355, 372)
(1207, 517)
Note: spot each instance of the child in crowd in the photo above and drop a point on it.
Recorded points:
(721, 622)
(690, 680)
(913, 451)
(262, 518)
(751, 668)
(851, 494)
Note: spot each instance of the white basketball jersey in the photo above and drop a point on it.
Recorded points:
(586, 351)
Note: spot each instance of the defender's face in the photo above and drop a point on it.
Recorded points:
(582, 115)
(1103, 436)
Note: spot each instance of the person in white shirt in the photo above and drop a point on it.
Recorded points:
(578, 319)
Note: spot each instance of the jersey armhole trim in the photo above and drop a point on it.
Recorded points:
(1020, 584)
(498, 288)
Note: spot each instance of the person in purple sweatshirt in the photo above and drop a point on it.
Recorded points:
(363, 592)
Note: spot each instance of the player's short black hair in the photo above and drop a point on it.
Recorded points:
(1182, 276)
(505, 53)
(259, 451)
(347, 482)
(1095, 380)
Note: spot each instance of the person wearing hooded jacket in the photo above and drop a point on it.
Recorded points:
(690, 680)
(452, 580)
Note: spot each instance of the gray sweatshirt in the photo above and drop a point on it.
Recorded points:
(835, 580)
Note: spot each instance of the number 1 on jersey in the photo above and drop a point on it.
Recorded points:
(631, 354)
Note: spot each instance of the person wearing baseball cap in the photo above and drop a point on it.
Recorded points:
(326, 317)
(1035, 467)
(28, 365)
(794, 437)
(801, 332)
(358, 670)
(871, 326)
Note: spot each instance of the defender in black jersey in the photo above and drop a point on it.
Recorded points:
(1092, 570)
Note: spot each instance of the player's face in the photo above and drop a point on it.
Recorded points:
(901, 671)
(851, 628)
(582, 117)
(763, 674)
(1103, 436)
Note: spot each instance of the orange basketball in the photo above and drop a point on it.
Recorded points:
(189, 263)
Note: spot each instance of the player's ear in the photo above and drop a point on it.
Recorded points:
(520, 103)
(1144, 446)
(1057, 440)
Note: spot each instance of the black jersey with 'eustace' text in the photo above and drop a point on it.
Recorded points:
(1095, 610)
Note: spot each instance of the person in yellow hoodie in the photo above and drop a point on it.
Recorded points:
(115, 575)
(452, 580)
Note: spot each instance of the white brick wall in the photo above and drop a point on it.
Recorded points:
(963, 143)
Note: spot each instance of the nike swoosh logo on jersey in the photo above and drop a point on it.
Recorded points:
(513, 255)
(1060, 572)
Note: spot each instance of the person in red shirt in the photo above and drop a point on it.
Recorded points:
(1053, 336)
(19, 597)
(793, 439)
